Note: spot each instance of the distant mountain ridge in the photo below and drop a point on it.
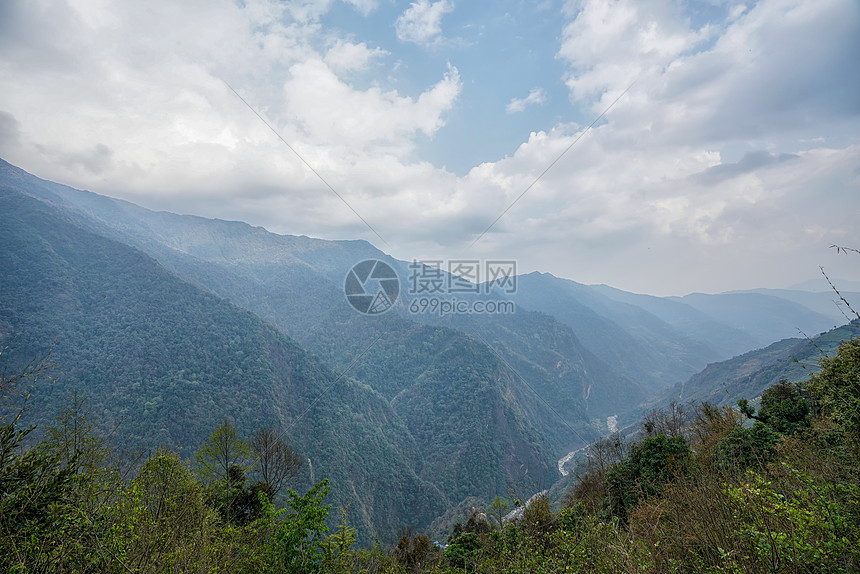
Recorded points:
(296, 283)
(632, 338)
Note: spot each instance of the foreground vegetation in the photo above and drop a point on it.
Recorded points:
(701, 490)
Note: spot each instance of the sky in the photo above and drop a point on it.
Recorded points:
(658, 146)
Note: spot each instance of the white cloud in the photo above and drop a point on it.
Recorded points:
(612, 42)
(159, 106)
(733, 162)
(421, 23)
(535, 97)
(648, 196)
(364, 6)
(333, 114)
(10, 132)
(348, 57)
(781, 66)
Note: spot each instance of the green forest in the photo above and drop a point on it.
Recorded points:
(703, 489)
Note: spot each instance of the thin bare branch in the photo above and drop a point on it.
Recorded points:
(835, 290)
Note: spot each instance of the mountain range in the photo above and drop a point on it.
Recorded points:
(171, 323)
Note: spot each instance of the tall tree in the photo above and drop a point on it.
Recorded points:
(164, 523)
(837, 387)
(222, 462)
(224, 450)
(276, 461)
(498, 509)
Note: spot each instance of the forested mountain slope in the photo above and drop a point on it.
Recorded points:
(748, 375)
(171, 361)
(296, 283)
(632, 339)
(174, 360)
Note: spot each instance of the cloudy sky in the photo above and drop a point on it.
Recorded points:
(732, 162)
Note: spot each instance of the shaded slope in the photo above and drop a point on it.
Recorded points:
(293, 296)
(556, 365)
(296, 284)
(635, 342)
(173, 361)
(726, 340)
(748, 375)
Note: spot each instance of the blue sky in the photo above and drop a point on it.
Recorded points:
(501, 53)
(733, 161)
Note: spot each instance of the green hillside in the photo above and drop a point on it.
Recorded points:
(748, 375)
(295, 283)
(633, 340)
(171, 361)
(172, 323)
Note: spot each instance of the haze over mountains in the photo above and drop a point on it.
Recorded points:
(174, 322)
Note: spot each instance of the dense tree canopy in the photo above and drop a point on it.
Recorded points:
(778, 496)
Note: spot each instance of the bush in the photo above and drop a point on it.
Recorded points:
(650, 466)
(747, 447)
(463, 550)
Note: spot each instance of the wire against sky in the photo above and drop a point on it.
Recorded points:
(310, 167)
(549, 167)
